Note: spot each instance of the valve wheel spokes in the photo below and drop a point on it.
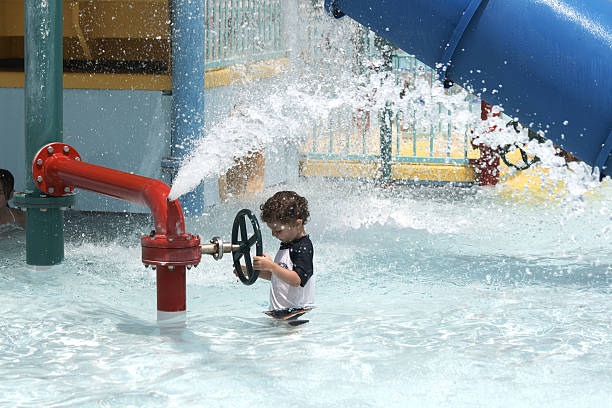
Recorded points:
(504, 150)
(240, 237)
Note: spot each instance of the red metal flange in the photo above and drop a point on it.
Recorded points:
(171, 250)
(54, 187)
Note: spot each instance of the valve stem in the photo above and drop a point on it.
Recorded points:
(217, 248)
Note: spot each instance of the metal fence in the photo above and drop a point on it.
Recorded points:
(239, 31)
(416, 136)
(438, 139)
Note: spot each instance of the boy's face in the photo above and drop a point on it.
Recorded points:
(286, 232)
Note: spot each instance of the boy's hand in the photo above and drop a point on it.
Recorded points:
(263, 263)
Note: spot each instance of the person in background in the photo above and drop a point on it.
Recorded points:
(10, 218)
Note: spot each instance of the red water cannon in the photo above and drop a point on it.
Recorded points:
(57, 169)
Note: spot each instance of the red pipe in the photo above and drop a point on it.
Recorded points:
(171, 289)
(140, 190)
(57, 169)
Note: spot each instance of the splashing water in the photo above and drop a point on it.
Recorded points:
(278, 112)
(278, 118)
(320, 82)
(577, 177)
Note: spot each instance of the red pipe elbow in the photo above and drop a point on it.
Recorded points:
(57, 167)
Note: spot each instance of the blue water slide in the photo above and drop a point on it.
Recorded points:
(550, 61)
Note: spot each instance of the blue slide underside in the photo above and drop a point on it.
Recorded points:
(552, 58)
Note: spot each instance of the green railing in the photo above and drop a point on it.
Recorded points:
(423, 134)
(437, 140)
(239, 31)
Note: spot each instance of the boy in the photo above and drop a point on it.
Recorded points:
(291, 272)
(10, 218)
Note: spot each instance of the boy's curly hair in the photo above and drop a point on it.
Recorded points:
(285, 207)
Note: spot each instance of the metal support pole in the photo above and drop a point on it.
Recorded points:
(43, 124)
(171, 289)
(188, 60)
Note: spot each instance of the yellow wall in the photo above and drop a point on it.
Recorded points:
(115, 30)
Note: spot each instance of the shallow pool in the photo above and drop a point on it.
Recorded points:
(427, 297)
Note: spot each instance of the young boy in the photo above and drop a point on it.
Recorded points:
(291, 272)
(10, 218)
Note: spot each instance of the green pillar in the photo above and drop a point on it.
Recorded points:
(44, 236)
(43, 125)
(386, 129)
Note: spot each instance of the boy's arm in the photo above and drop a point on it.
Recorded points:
(265, 275)
(262, 274)
(266, 265)
(286, 275)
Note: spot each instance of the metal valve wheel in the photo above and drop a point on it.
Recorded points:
(504, 150)
(240, 237)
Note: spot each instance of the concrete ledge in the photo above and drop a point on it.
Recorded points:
(433, 172)
(399, 171)
(245, 73)
(340, 168)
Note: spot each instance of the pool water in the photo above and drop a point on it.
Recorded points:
(426, 297)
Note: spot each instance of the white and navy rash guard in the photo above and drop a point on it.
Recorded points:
(296, 256)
